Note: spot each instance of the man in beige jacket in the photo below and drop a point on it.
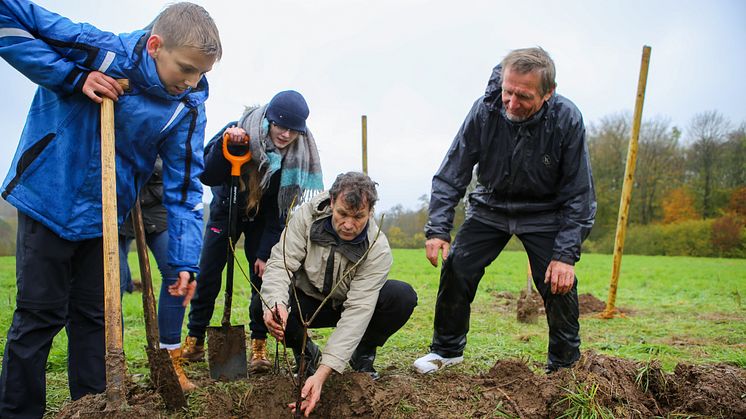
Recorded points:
(323, 242)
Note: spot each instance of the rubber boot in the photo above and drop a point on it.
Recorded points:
(193, 349)
(259, 363)
(186, 385)
(312, 355)
(362, 360)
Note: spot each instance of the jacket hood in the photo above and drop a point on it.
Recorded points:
(321, 205)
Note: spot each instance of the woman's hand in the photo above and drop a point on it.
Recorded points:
(236, 136)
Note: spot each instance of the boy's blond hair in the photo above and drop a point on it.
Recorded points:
(188, 25)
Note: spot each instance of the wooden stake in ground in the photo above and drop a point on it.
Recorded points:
(364, 119)
(629, 176)
(116, 369)
(162, 373)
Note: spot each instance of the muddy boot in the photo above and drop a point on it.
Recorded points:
(362, 361)
(186, 385)
(312, 355)
(259, 363)
(193, 349)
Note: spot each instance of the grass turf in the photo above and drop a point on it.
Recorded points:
(681, 310)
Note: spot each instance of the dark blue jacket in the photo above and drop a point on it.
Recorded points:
(217, 175)
(532, 176)
(55, 177)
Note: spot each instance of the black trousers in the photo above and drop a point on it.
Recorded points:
(395, 305)
(60, 284)
(211, 263)
(475, 247)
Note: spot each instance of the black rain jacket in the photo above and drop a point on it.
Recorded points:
(533, 176)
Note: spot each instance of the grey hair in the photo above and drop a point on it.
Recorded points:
(356, 188)
(188, 25)
(526, 60)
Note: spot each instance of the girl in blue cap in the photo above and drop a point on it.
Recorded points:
(284, 165)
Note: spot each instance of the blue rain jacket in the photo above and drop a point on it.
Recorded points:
(55, 177)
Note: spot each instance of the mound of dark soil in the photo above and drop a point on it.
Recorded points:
(511, 388)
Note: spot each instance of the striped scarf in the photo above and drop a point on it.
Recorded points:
(301, 176)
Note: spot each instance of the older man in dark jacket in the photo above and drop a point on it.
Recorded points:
(534, 181)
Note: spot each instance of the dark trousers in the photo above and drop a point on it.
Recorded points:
(211, 264)
(395, 305)
(476, 246)
(59, 284)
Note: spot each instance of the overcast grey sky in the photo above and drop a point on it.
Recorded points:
(415, 67)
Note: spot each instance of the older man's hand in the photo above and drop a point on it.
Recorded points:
(561, 276)
(433, 247)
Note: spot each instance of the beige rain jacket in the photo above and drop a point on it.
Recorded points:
(357, 292)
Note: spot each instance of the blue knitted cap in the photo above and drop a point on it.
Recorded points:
(288, 109)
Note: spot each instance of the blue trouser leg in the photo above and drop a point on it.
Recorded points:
(125, 276)
(59, 284)
(170, 307)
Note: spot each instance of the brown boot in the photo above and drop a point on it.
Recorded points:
(259, 363)
(193, 349)
(186, 385)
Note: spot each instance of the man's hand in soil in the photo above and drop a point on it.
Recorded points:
(184, 287)
(432, 248)
(275, 329)
(98, 84)
(311, 392)
(561, 275)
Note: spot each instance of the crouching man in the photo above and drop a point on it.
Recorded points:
(324, 248)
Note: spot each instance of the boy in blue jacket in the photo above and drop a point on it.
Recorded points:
(54, 180)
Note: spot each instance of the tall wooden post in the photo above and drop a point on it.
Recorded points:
(365, 143)
(629, 176)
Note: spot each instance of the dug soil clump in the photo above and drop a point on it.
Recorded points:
(597, 385)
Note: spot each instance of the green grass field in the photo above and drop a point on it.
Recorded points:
(681, 310)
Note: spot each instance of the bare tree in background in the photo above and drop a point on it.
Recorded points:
(659, 167)
(607, 143)
(707, 133)
(734, 158)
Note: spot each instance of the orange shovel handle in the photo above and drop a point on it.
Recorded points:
(235, 161)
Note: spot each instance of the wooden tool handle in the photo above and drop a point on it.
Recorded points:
(115, 363)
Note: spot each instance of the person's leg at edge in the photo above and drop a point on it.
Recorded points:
(43, 286)
(85, 328)
(395, 305)
(562, 310)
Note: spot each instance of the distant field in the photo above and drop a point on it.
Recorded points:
(681, 310)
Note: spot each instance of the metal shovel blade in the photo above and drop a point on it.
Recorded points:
(226, 352)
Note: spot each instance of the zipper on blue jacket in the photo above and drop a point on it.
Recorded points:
(188, 158)
(25, 161)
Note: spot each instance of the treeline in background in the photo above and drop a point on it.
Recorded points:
(688, 198)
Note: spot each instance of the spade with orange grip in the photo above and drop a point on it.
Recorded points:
(226, 344)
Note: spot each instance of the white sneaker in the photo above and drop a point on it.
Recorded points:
(433, 362)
